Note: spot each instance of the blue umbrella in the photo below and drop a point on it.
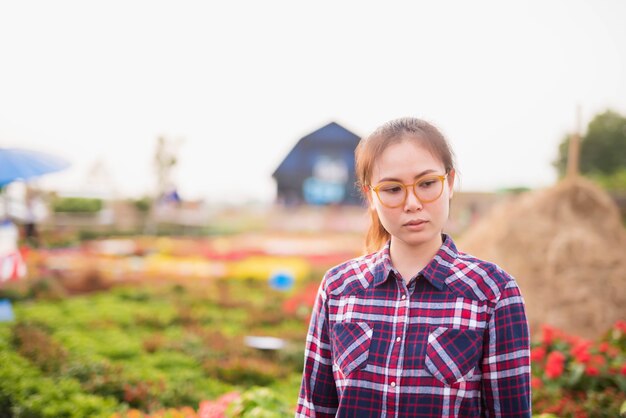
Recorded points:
(20, 164)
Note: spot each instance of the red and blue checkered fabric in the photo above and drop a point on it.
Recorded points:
(452, 342)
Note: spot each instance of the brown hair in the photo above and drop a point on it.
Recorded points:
(372, 146)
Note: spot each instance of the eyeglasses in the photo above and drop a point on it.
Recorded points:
(393, 194)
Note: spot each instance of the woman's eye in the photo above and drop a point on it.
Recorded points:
(391, 189)
(427, 183)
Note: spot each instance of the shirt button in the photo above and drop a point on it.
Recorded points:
(398, 339)
(403, 297)
(393, 384)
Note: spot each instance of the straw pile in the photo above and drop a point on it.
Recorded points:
(566, 247)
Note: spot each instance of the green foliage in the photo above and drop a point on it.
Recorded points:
(88, 235)
(35, 344)
(258, 403)
(77, 205)
(514, 190)
(602, 149)
(143, 204)
(25, 392)
(14, 291)
(615, 182)
(288, 388)
(47, 288)
(192, 392)
(98, 377)
(145, 348)
(247, 371)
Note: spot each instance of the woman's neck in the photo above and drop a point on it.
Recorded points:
(410, 260)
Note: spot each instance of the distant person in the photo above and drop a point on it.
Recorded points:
(416, 328)
(31, 235)
(31, 216)
(12, 265)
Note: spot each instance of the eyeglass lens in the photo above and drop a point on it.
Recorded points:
(394, 193)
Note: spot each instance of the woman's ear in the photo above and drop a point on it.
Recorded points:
(368, 195)
(451, 178)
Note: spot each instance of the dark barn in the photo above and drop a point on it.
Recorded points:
(319, 170)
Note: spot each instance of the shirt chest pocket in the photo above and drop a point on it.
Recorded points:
(351, 344)
(452, 355)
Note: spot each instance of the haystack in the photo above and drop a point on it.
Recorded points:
(566, 247)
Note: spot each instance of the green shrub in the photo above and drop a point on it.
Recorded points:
(243, 371)
(24, 392)
(77, 205)
(258, 403)
(14, 291)
(98, 377)
(143, 204)
(47, 288)
(150, 348)
(292, 358)
(35, 344)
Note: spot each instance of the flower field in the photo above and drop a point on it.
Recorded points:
(150, 349)
(575, 377)
(161, 349)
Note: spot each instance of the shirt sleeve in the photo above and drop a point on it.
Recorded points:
(318, 393)
(506, 358)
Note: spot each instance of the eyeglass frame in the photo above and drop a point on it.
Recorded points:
(441, 178)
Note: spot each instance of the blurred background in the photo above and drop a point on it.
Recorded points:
(175, 179)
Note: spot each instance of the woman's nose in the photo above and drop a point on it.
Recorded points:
(412, 202)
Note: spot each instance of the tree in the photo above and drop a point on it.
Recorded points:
(165, 159)
(602, 148)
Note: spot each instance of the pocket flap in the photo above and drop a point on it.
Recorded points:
(452, 354)
(351, 344)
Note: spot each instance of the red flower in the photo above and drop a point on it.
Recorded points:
(555, 364)
(595, 363)
(538, 354)
(580, 351)
(291, 305)
(603, 347)
(620, 326)
(216, 408)
(598, 360)
(572, 339)
(612, 351)
(592, 370)
(548, 334)
(536, 383)
(623, 369)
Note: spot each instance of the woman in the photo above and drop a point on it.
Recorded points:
(416, 328)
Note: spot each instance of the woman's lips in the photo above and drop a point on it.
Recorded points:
(415, 225)
(417, 222)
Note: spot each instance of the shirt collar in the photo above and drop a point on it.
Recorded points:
(436, 271)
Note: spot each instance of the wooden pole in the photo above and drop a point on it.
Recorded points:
(573, 156)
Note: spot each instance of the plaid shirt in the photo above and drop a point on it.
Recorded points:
(452, 342)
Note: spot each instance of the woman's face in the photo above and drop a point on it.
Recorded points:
(414, 224)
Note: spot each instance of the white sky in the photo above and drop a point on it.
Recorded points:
(242, 81)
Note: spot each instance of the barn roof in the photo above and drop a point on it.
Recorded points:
(330, 135)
